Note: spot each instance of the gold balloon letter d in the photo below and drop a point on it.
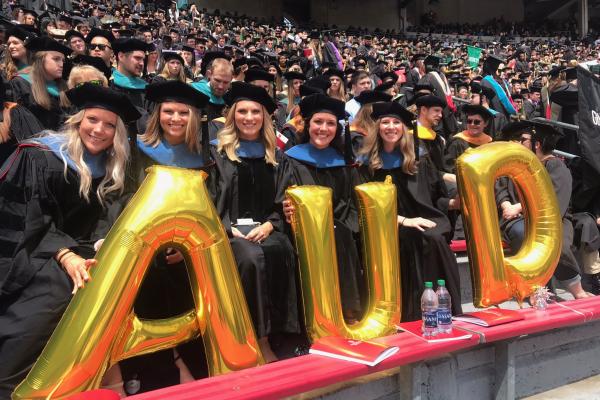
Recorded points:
(496, 278)
(99, 327)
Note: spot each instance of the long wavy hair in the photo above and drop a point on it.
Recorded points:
(38, 81)
(340, 94)
(290, 96)
(363, 119)
(373, 144)
(154, 131)
(9, 66)
(229, 137)
(118, 155)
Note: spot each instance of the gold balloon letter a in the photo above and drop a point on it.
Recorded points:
(99, 327)
(496, 278)
(315, 242)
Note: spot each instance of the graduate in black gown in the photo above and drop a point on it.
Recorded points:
(249, 164)
(126, 78)
(477, 120)
(38, 88)
(424, 230)
(53, 190)
(541, 139)
(172, 138)
(325, 159)
(16, 125)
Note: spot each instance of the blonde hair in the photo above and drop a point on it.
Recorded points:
(38, 81)
(152, 136)
(80, 74)
(229, 137)
(5, 124)
(373, 143)
(114, 177)
(290, 95)
(167, 75)
(9, 66)
(363, 119)
(341, 94)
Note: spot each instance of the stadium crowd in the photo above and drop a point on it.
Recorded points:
(94, 92)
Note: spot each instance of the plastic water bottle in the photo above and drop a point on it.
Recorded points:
(444, 312)
(429, 305)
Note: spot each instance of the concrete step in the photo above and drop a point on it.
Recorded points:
(585, 389)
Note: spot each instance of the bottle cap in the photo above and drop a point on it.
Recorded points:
(428, 284)
(441, 282)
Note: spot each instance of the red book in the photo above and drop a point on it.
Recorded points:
(490, 317)
(414, 328)
(359, 351)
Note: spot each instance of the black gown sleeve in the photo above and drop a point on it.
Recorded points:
(29, 238)
(454, 149)
(562, 182)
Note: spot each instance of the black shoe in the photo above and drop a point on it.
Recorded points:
(594, 281)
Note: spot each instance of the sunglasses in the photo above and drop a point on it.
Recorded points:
(95, 82)
(101, 47)
(475, 122)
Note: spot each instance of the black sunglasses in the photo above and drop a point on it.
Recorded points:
(475, 122)
(101, 47)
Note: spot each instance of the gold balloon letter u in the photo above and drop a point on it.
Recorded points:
(315, 242)
(496, 278)
(99, 327)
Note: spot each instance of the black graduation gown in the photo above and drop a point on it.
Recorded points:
(454, 148)
(341, 180)
(424, 256)
(512, 229)
(23, 125)
(137, 96)
(21, 93)
(41, 212)
(165, 292)
(267, 270)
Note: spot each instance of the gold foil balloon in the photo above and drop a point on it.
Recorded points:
(497, 278)
(312, 224)
(171, 208)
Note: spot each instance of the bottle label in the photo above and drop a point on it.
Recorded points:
(444, 317)
(430, 319)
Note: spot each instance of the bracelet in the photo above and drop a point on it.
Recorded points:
(68, 256)
(402, 222)
(61, 253)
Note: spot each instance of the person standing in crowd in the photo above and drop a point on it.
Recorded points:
(424, 230)
(501, 102)
(54, 189)
(441, 89)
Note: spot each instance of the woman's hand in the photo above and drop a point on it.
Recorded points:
(418, 223)
(173, 256)
(236, 233)
(454, 204)
(260, 233)
(77, 268)
(288, 210)
(511, 211)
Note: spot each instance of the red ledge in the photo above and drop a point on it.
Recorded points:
(302, 374)
(558, 315)
(312, 372)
